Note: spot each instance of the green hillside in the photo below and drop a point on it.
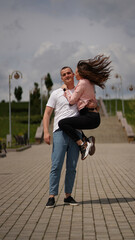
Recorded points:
(19, 113)
(20, 117)
(129, 106)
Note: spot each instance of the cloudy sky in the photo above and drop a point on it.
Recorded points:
(41, 36)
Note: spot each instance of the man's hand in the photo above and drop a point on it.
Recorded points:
(64, 86)
(46, 120)
(47, 138)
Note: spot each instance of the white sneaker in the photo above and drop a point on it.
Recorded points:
(85, 149)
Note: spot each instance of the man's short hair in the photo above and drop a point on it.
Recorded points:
(65, 68)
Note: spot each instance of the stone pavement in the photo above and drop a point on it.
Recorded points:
(104, 187)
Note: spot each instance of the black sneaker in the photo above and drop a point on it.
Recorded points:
(91, 139)
(85, 148)
(51, 202)
(70, 201)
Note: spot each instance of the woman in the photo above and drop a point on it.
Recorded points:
(89, 73)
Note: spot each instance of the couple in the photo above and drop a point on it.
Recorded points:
(67, 101)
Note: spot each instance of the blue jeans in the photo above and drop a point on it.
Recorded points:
(63, 144)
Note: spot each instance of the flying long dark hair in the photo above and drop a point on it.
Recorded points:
(96, 70)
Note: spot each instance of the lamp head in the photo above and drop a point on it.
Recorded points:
(16, 75)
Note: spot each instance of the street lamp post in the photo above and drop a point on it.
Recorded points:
(10, 109)
(29, 118)
(16, 75)
(115, 89)
(123, 107)
(110, 105)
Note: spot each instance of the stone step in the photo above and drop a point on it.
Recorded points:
(109, 131)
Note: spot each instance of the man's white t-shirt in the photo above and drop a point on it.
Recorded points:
(61, 107)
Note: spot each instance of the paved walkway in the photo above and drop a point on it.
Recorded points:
(104, 187)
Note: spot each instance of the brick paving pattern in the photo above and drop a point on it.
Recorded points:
(104, 187)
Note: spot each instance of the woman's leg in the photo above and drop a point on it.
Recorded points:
(88, 121)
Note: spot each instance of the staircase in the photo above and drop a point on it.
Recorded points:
(109, 131)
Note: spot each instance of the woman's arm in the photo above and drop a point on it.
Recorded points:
(73, 98)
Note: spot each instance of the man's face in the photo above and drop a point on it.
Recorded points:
(67, 76)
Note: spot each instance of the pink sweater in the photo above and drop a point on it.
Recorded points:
(83, 95)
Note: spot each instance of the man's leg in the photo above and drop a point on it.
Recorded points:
(58, 155)
(60, 141)
(71, 163)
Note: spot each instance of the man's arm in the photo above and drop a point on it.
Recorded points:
(46, 121)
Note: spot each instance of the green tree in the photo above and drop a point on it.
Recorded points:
(18, 93)
(35, 99)
(48, 84)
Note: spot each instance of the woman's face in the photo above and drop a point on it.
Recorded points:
(77, 74)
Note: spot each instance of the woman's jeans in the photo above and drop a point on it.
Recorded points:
(86, 120)
(63, 144)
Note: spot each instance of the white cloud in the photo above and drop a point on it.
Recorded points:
(41, 37)
(45, 46)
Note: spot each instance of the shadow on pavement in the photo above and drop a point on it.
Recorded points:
(108, 201)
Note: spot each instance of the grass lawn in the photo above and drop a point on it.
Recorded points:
(19, 121)
(20, 117)
(129, 106)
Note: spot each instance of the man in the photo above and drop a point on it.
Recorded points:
(62, 143)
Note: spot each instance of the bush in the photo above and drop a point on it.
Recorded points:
(19, 114)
